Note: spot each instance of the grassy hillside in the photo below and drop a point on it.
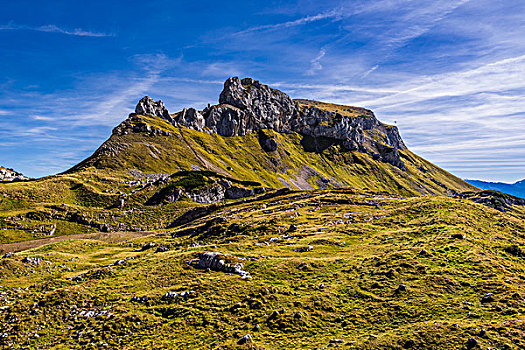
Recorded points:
(291, 165)
(356, 272)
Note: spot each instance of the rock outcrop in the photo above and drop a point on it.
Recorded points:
(264, 107)
(7, 174)
(147, 106)
(210, 194)
(221, 262)
(246, 105)
(191, 118)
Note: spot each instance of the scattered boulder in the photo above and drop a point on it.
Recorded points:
(401, 288)
(487, 298)
(409, 344)
(424, 252)
(222, 262)
(145, 247)
(471, 343)
(245, 339)
(31, 260)
(515, 250)
(173, 295)
(121, 261)
(303, 249)
(275, 314)
(141, 300)
(162, 249)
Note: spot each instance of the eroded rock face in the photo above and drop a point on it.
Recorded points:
(227, 120)
(237, 192)
(264, 107)
(267, 142)
(147, 106)
(211, 194)
(191, 118)
(246, 105)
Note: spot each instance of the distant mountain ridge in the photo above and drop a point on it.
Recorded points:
(516, 189)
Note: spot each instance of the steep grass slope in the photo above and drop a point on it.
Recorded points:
(291, 165)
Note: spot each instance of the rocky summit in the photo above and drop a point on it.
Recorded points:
(260, 222)
(246, 106)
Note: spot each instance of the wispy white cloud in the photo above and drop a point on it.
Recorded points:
(222, 69)
(316, 63)
(51, 28)
(334, 14)
(448, 72)
(39, 117)
(371, 70)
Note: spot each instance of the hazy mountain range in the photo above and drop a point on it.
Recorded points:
(516, 189)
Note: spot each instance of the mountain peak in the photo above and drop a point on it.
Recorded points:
(246, 105)
(147, 106)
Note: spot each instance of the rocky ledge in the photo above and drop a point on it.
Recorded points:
(246, 105)
(7, 174)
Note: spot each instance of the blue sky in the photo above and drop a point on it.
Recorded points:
(450, 74)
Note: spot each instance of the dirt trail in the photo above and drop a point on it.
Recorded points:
(111, 237)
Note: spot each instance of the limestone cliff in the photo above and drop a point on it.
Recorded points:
(246, 105)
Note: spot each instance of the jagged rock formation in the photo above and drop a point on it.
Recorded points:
(8, 174)
(147, 106)
(246, 105)
(262, 106)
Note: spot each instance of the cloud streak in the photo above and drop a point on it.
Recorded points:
(316, 63)
(51, 28)
(335, 14)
